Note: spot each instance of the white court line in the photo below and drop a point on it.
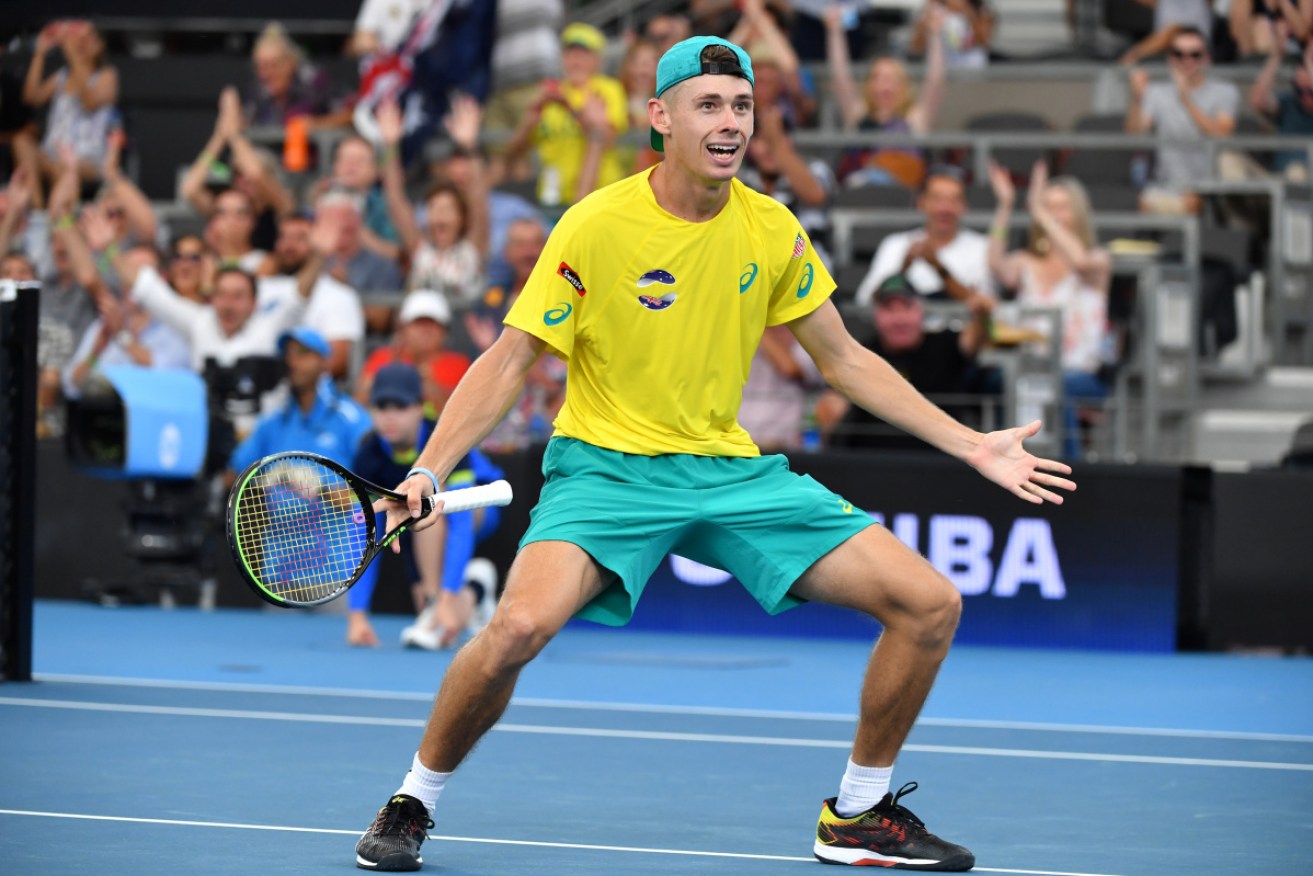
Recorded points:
(652, 735)
(708, 711)
(469, 839)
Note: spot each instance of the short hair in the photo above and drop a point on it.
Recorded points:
(944, 171)
(1191, 30)
(337, 197)
(232, 268)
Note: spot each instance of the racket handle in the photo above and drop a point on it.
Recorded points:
(483, 496)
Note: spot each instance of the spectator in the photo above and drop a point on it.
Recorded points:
(230, 326)
(778, 76)
(229, 230)
(351, 263)
(527, 52)
(288, 86)
(775, 168)
(54, 346)
(1291, 112)
(356, 170)
(382, 25)
(1190, 106)
(123, 202)
(942, 258)
(775, 396)
(420, 340)
(191, 268)
(529, 421)
(1061, 267)
(254, 172)
(124, 334)
(449, 257)
(573, 124)
(1252, 24)
(334, 310)
(458, 168)
(81, 100)
(666, 30)
(315, 416)
(1171, 17)
(22, 228)
(938, 363)
(886, 104)
(638, 76)
(453, 590)
(967, 31)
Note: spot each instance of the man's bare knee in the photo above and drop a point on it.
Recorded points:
(517, 635)
(937, 620)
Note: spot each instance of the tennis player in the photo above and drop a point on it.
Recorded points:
(655, 291)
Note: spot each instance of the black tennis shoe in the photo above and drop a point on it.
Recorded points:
(886, 835)
(392, 842)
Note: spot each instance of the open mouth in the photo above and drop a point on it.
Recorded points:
(723, 153)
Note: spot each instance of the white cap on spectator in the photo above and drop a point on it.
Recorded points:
(425, 304)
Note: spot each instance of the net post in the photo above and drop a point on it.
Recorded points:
(18, 388)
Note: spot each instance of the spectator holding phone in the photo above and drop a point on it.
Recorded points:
(574, 123)
(81, 99)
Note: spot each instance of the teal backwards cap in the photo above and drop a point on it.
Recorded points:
(683, 61)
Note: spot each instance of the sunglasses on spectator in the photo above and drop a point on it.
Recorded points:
(1179, 55)
(115, 213)
(189, 256)
(391, 406)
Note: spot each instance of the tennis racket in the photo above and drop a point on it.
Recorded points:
(302, 528)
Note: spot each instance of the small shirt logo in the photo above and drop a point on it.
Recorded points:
(558, 314)
(652, 302)
(805, 284)
(657, 302)
(665, 278)
(799, 246)
(748, 277)
(572, 277)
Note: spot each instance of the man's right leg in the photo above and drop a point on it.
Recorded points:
(548, 583)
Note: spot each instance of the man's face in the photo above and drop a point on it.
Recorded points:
(349, 221)
(16, 267)
(524, 243)
(353, 167)
(233, 302)
(943, 203)
(293, 245)
(185, 265)
(710, 122)
(579, 64)
(423, 337)
(304, 366)
(397, 423)
(233, 219)
(1188, 56)
(898, 320)
(274, 68)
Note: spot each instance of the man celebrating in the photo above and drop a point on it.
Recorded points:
(656, 291)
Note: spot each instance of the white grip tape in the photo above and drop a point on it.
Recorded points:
(483, 496)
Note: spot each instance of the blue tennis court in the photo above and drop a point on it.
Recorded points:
(237, 742)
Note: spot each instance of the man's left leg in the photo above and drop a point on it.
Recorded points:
(875, 573)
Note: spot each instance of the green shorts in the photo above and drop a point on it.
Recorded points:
(750, 516)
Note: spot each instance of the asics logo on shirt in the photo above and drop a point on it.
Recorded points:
(558, 314)
(805, 284)
(748, 277)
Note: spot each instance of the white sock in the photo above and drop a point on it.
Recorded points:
(423, 784)
(861, 788)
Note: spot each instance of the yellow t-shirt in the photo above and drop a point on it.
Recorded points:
(562, 142)
(658, 318)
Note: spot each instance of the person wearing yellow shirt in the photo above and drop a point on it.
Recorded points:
(574, 123)
(656, 291)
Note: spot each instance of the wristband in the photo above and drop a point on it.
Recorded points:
(998, 233)
(428, 474)
(64, 222)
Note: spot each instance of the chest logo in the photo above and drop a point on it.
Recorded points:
(656, 302)
(748, 277)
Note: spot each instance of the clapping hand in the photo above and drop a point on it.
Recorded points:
(391, 125)
(1000, 180)
(463, 121)
(1039, 179)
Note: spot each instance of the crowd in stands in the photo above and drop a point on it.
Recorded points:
(471, 130)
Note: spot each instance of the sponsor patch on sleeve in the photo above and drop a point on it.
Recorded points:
(799, 247)
(572, 277)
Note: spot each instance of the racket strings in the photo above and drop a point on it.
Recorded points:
(301, 529)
